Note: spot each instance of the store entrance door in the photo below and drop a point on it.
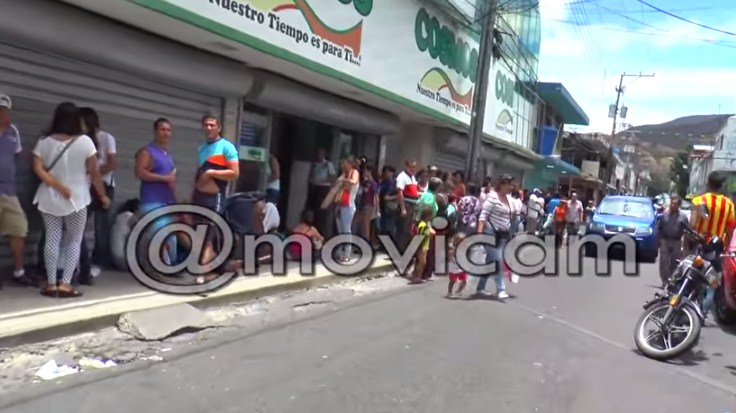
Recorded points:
(295, 144)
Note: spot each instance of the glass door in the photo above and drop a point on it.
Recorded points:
(253, 144)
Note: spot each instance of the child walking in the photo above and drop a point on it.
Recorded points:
(456, 274)
(423, 230)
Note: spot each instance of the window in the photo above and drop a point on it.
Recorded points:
(626, 208)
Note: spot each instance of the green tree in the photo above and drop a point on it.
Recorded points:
(660, 183)
(680, 171)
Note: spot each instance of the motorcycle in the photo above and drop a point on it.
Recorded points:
(677, 312)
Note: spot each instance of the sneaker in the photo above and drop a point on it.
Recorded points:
(483, 293)
(25, 281)
(502, 295)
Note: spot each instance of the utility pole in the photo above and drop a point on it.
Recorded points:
(485, 59)
(614, 111)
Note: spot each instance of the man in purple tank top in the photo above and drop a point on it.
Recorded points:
(155, 168)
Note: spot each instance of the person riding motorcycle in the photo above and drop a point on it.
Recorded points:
(713, 216)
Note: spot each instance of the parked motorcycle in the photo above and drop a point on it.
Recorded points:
(677, 312)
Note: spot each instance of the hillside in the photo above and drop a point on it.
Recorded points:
(670, 137)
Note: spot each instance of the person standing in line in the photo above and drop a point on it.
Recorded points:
(671, 227)
(218, 166)
(469, 208)
(458, 180)
(63, 160)
(345, 211)
(425, 231)
(156, 170)
(495, 220)
(389, 203)
(575, 214)
(321, 177)
(590, 211)
(13, 221)
(107, 162)
(273, 186)
(535, 211)
(408, 191)
(367, 203)
(430, 199)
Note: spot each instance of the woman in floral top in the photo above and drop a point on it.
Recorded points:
(469, 208)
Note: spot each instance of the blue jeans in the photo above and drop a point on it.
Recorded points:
(344, 220)
(169, 258)
(494, 254)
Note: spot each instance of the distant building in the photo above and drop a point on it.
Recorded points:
(701, 164)
(724, 154)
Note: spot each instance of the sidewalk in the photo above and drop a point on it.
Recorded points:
(26, 315)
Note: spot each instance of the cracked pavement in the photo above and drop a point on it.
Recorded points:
(564, 344)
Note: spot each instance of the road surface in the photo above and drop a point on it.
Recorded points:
(561, 345)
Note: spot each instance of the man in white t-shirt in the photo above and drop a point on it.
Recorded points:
(408, 194)
(575, 213)
(534, 211)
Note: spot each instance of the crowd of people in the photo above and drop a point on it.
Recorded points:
(75, 164)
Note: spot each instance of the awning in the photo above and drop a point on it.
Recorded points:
(556, 165)
(556, 96)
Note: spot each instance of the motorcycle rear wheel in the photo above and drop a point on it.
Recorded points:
(644, 339)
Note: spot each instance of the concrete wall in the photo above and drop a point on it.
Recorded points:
(415, 141)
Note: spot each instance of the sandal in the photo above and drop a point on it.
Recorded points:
(68, 291)
(50, 291)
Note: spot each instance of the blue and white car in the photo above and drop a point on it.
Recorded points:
(629, 215)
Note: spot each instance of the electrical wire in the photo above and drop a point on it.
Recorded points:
(678, 17)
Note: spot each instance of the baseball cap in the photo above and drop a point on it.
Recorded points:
(5, 101)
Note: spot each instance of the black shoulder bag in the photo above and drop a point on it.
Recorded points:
(36, 180)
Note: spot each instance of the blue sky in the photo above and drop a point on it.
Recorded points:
(588, 44)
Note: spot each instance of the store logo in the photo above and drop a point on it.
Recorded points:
(505, 122)
(437, 80)
(505, 91)
(454, 54)
(341, 43)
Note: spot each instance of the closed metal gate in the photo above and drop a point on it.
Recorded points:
(128, 105)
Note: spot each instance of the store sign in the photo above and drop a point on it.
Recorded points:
(507, 113)
(402, 49)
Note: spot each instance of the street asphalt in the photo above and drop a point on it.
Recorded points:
(561, 344)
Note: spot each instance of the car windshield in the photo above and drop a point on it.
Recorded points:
(626, 208)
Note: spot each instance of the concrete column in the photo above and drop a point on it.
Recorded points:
(230, 119)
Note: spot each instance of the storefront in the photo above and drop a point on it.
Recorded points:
(292, 122)
(108, 66)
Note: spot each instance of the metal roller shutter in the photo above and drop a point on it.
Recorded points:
(448, 162)
(127, 105)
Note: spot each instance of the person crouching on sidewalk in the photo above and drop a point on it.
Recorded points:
(457, 275)
(425, 232)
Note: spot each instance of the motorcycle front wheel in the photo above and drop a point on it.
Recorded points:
(669, 338)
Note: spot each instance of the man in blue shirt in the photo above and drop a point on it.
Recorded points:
(218, 165)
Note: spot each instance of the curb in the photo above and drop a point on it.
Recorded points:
(89, 323)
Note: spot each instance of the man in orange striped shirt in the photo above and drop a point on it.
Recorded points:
(719, 219)
(713, 216)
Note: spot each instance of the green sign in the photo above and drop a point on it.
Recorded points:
(363, 7)
(505, 89)
(441, 43)
(252, 153)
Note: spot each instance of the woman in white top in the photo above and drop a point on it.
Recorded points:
(107, 163)
(64, 194)
(495, 219)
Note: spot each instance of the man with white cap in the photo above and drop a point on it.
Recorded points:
(535, 211)
(13, 222)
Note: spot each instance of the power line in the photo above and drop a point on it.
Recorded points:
(633, 20)
(686, 20)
